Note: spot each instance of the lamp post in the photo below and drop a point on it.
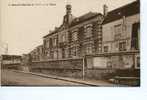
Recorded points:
(83, 69)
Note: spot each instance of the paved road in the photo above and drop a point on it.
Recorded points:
(11, 78)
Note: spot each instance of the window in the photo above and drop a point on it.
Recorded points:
(50, 42)
(138, 62)
(63, 37)
(63, 53)
(118, 31)
(135, 36)
(55, 54)
(46, 43)
(89, 49)
(75, 36)
(74, 51)
(122, 46)
(105, 48)
(88, 30)
(54, 41)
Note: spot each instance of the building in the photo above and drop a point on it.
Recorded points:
(116, 31)
(121, 29)
(37, 54)
(10, 61)
(76, 37)
(121, 33)
(95, 45)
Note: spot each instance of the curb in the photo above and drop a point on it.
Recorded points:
(59, 78)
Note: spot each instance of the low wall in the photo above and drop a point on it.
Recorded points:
(96, 67)
(66, 68)
(11, 66)
(99, 73)
(105, 66)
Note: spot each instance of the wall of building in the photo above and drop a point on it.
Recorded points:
(91, 38)
(67, 47)
(106, 66)
(109, 34)
(113, 61)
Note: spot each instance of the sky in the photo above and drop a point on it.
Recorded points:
(22, 27)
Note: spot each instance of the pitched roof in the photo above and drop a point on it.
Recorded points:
(127, 10)
(51, 33)
(84, 17)
(76, 21)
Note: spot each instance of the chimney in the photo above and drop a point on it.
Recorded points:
(68, 17)
(68, 9)
(105, 10)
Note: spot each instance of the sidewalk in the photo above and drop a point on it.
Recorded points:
(99, 83)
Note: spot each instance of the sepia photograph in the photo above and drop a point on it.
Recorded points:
(74, 43)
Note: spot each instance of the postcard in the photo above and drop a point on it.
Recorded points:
(87, 43)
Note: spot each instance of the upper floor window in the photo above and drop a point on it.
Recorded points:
(46, 43)
(55, 41)
(118, 31)
(88, 30)
(135, 43)
(63, 38)
(50, 42)
(74, 36)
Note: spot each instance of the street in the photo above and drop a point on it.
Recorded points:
(12, 78)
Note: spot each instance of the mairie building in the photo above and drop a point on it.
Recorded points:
(108, 40)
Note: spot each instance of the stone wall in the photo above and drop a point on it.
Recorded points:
(103, 67)
(11, 66)
(99, 73)
(66, 68)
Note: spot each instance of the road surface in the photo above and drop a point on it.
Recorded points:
(12, 78)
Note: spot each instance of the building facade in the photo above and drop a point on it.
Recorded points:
(95, 45)
(37, 54)
(76, 37)
(120, 39)
(116, 31)
(121, 33)
(10, 61)
(121, 29)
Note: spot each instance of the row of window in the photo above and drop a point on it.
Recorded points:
(74, 35)
(72, 52)
(135, 37)
(122, 47)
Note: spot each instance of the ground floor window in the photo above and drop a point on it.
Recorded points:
(88, 49)
(106, 48)
(74, 51)
(122, 46)
(137, 62)
(55, 54)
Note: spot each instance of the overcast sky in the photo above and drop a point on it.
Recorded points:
(23, 27)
